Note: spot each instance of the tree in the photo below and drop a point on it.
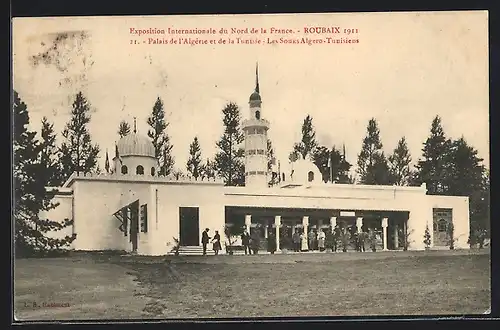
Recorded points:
(432, 168)
(49, 154)
(208, 170)
(31, 199)
(399, 164)
(372, 164)
(160, 138)
(427, 237)
(77, 154)
(307, 145)
(340, 166)
(271, 162)
(194, 165)
(229, 159)
(123, 129)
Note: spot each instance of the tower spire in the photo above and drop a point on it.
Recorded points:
(257, 77)
(135, 125)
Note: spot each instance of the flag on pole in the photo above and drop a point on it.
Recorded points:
(279, 172)
(106, 165)
(330, 165)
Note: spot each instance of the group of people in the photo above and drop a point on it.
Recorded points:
(336, 239)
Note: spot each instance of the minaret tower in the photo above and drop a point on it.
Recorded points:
(255, 129)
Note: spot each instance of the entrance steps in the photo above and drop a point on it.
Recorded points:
(193, 251)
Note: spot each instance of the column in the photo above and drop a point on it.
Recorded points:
(384, 229)
(277, 223)
(266, 228)
(359, 224)
(396, 237)
(305, 223)
(333, 222)
(248, 222)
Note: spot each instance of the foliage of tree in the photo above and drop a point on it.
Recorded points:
(77, 153)
(372, 163)
(432, 167)
(308, 143)
(322, 157)
(208, 169)
(33, 165)
(194, 163)
(123, 129)
(160, 139)
(399, 164)
(49, 155)
(229, 160)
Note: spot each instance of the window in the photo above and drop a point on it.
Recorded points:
(260, 152)
(124, 169)
(282, 176)
(139, 170)
(442, 225)
(152, 171)
(310, 176)
(257, 114)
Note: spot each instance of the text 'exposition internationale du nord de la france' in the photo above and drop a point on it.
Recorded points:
(308, 35)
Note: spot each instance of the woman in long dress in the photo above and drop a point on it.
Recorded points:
(216, 242)
(321, 240)
(303, 240)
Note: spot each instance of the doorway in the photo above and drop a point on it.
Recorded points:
(189, 226)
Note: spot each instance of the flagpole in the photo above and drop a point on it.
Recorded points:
(331, 167)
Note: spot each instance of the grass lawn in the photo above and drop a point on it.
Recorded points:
(342, 284)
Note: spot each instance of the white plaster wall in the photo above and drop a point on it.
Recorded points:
(165, 223)
(61, 212)
(460, 214)
(94, 205)
(420, 217)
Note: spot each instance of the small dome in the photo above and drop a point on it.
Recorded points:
(305, 171)
(255, 96)
(134, 144)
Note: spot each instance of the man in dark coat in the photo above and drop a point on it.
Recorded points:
(271, 242)
(255, 242)
(296, 241)
(204, 240)
(245, 241)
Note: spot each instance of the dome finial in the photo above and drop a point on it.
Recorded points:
(257, 77)
(135, 125)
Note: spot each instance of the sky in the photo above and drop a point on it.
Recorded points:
(406, 69)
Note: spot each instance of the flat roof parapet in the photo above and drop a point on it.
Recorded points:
(141, 178)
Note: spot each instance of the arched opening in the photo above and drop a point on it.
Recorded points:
(310, 176)
(282, 176)
(139, 170)
(257, 114)
(124, 169)
(152, 171)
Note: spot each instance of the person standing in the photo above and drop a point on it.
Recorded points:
(312, 239)
(245, 241)
(296, 241)
(204, 240)
(303, 239)
(255, 242)
(216, 243)
(271, 242)
(321, 240)
(336, 237)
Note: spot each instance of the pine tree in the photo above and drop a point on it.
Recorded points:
(77, 154)
(427, 237)
(308, 144)
(229, 159)
(372, 163)
(432, 168)
(123, 129)
(399, 164)
(49, 155)
(340, 167)
(194, 163)
(467, 176)
(160, 138)
(32, 172)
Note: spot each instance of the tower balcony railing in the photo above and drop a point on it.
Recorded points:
(255, 122)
